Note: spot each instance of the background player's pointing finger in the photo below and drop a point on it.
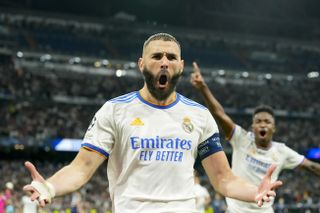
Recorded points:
(196, 68)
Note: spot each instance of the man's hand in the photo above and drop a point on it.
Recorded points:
(266, 188)
(196, 78)
(39, 189)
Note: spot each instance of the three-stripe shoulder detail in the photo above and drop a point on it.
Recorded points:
(125, 98)
(190, 102)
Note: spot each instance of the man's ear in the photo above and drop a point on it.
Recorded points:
(141, 64)
(181, 66)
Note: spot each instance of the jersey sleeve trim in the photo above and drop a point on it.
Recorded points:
(229, 137)
(190, 102)
(125, 98)
(95, 149)
(210, 146)
(299, 164)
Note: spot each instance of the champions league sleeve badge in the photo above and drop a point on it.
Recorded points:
(92, 123)
(187, 126)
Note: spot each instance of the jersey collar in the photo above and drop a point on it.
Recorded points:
(158, 106)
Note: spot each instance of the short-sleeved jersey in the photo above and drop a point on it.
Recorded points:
(252, 163)
(202, 195)
(151, 151)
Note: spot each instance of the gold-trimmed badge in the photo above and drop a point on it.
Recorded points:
(187, 126)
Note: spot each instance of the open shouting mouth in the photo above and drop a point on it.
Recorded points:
(163, 80)
(262, 132)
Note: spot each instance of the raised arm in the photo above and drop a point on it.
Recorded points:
(66, 180)
(229, 185)
(217, 111)
(311, 166)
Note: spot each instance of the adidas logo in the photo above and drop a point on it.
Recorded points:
(137, 122)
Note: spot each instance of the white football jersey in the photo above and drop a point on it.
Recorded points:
(151, 151)
(202, 194)
(252, 163)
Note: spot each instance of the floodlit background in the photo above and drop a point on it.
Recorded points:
(61, 60)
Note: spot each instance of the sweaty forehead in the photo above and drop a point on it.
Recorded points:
(160, 46)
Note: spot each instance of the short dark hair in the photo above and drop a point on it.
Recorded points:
(161, 37)
(263, 108)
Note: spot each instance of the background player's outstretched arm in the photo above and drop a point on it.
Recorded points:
(217, 111)
(311, 166)
(66, 180)
(225, 182)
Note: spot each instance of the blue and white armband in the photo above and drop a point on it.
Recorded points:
(209, 146)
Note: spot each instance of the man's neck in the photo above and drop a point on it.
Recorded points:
(146, 95)
(263, 145)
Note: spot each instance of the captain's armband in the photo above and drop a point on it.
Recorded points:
(209, 146)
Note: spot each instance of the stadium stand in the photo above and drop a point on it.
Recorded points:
(54, 75)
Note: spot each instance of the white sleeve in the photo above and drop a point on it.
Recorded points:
(210, 141)
(293, 159)
(238, 137)
(211, 128)
(100, 135)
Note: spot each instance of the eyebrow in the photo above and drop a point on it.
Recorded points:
(263, 119)
(162, 53)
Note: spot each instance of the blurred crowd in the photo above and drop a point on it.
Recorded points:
(44, 104)
(110, 40)
(94, 196)
(299, 95)
(47, 105)
(32, 115)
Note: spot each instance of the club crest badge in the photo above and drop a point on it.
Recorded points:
(187, 126)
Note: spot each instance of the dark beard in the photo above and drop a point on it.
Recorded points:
(158, 94)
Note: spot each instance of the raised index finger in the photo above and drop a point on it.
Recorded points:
(196, 68)
(33, 171)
